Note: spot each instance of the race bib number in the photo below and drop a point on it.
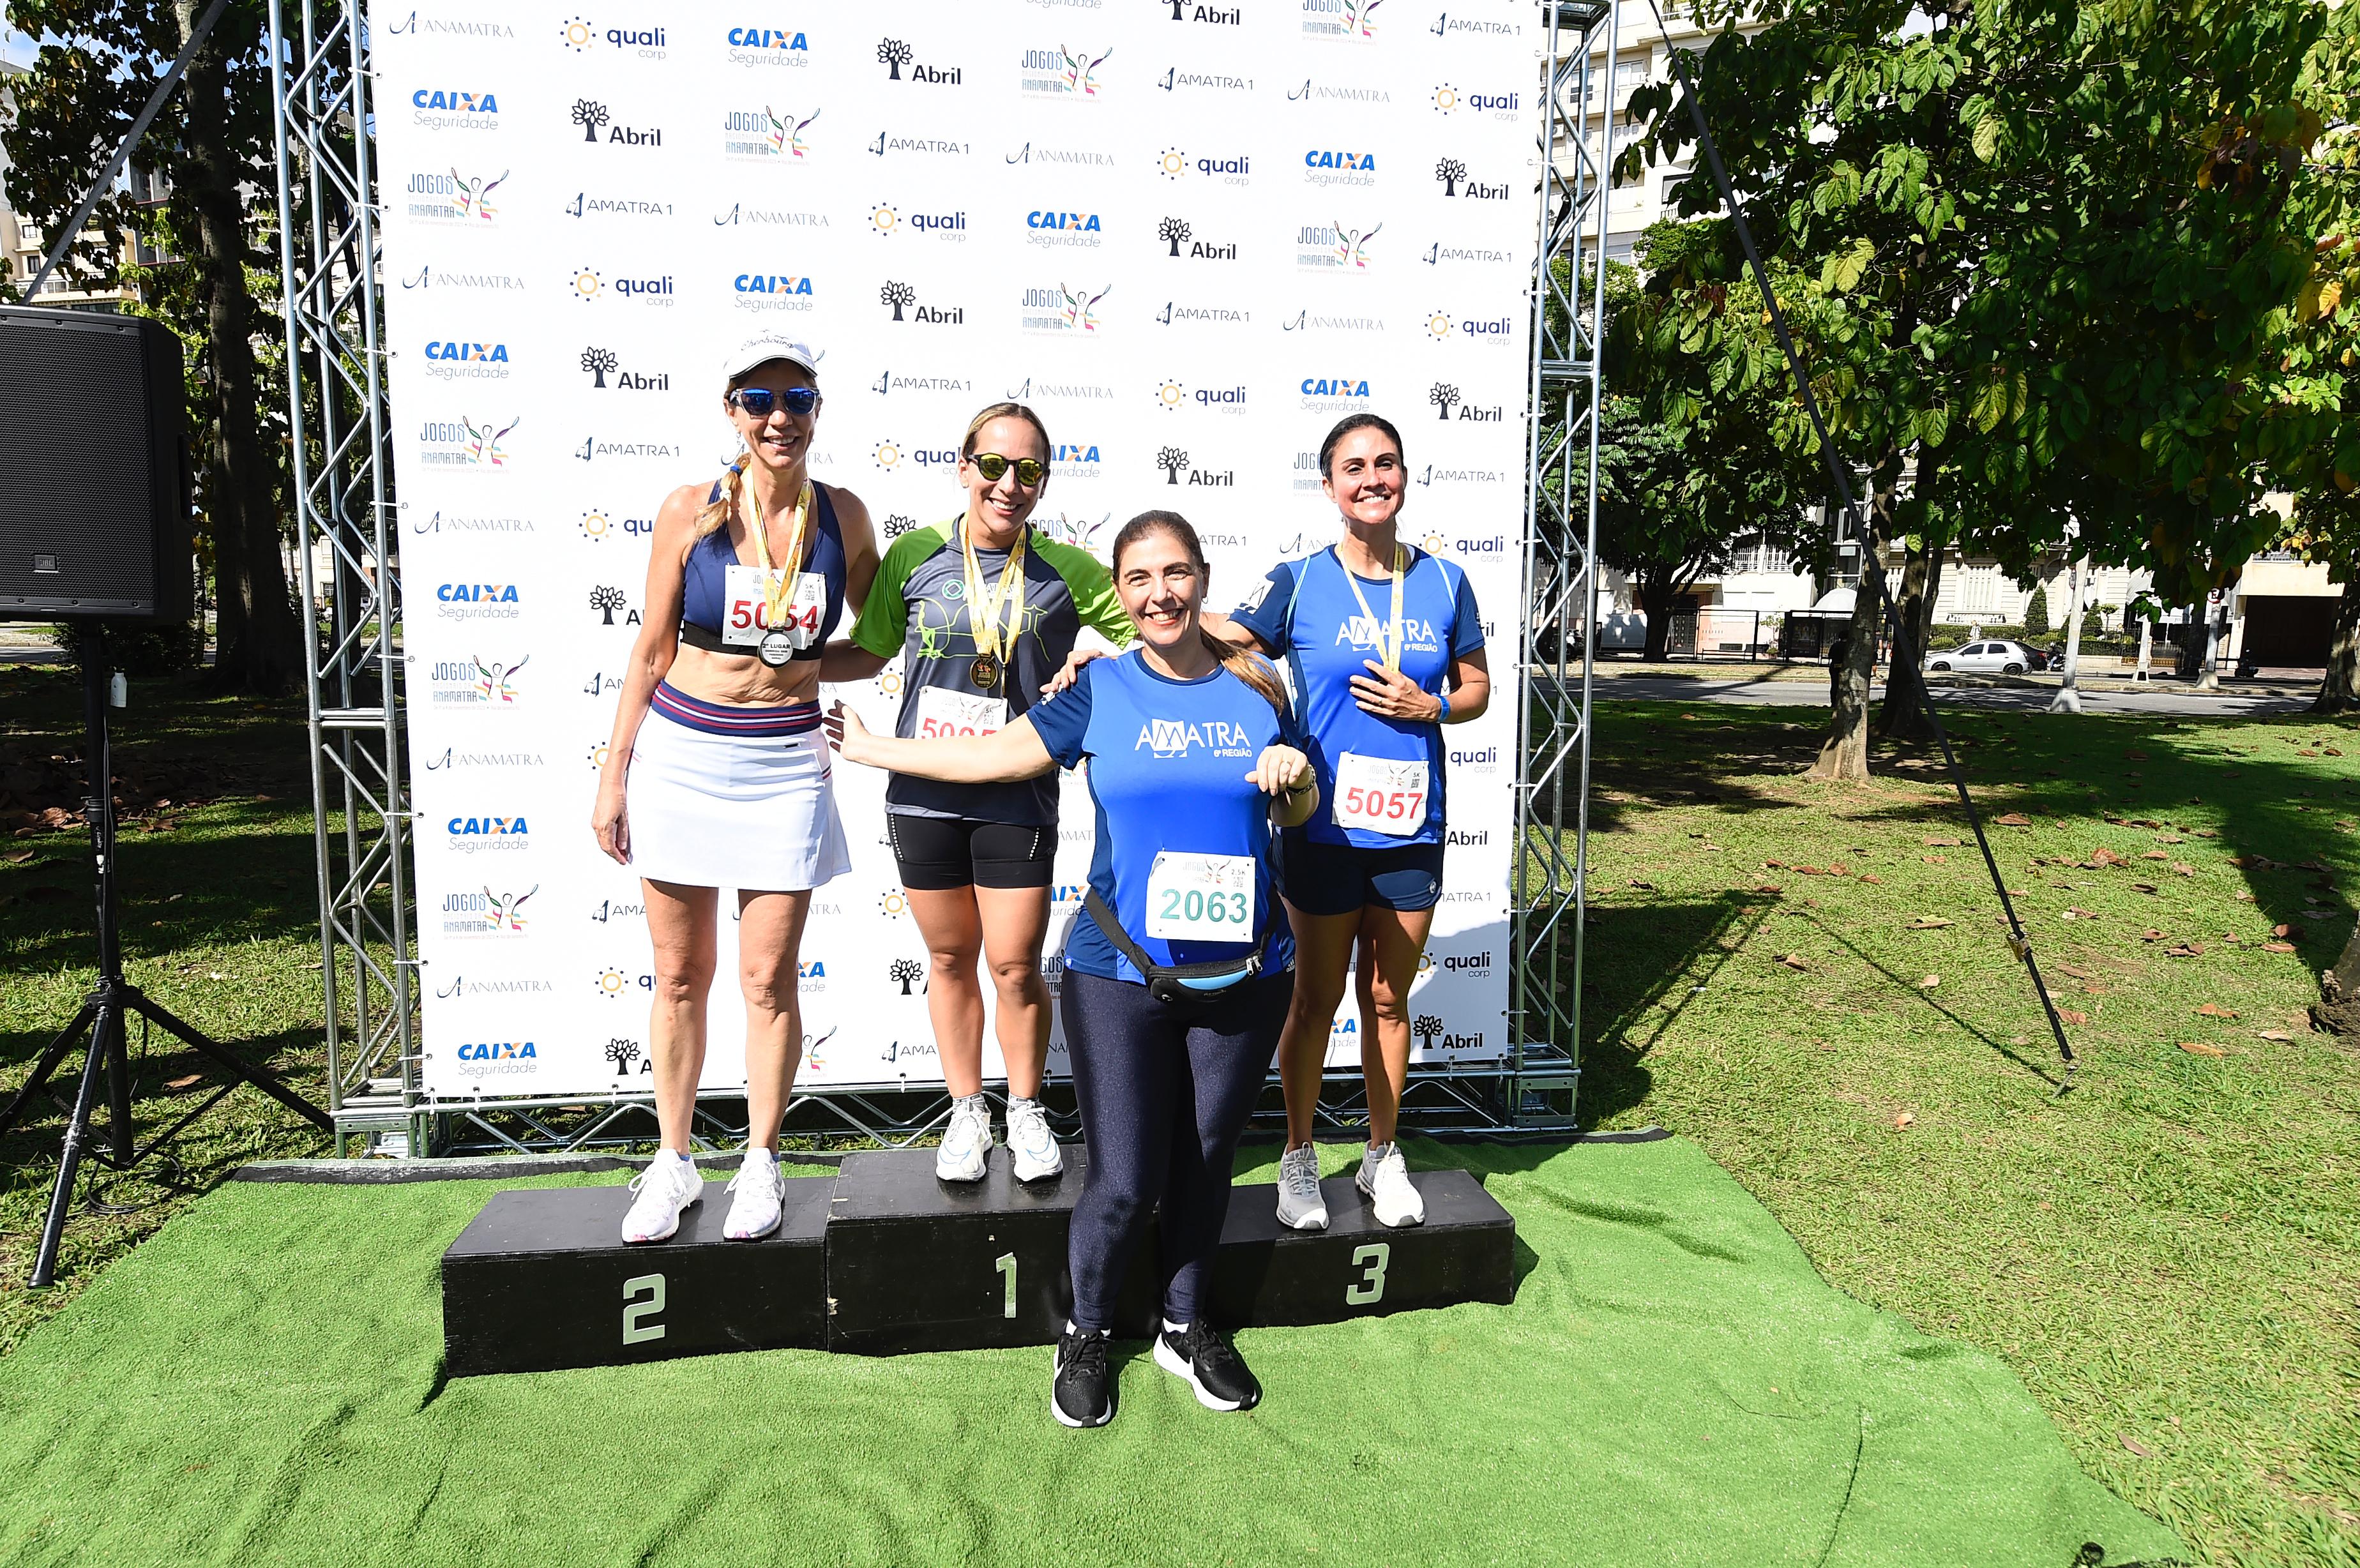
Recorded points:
(1201, 897)
(947, 712)
(1379, 794)
(746, 614)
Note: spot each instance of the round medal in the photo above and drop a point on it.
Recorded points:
(983, 672)
(775, 649)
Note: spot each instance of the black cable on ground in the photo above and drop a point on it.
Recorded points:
(1903, 642)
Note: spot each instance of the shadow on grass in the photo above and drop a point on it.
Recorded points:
(1635, 958)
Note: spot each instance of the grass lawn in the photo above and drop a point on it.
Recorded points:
(2166, 1256)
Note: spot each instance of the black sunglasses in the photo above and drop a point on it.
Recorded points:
(1030, 471)
(758, 401)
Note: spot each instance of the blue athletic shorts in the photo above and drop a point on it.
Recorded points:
(1338, 879)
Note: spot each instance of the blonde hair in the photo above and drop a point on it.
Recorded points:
(1003, 411)
(715, 515)
(1248, 667)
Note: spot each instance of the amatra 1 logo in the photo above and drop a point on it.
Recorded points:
(487, 914)
(1183, 314)
(475, 682)
(761, 134)
(768, 46)
(1081, 230)
(1177, 232)
(1353, 20)
(896, 56)
(1339, 166)
(1455, 183)
(594, 116)
(1061, 308)
(464, 442)
(585, 36)
(601, 365)
(773, 292)
(454, 198)
(903, 300)
(485, 835)
(450, 359)
(1448, 99)
(1061, 72)
(1333, 247)
(455, 109)
(1205, 16)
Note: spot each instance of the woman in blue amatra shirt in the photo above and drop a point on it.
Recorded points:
(1177, 982)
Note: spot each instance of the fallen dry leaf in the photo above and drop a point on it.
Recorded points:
(1928, 922)
(1934, 859)
(1774, 866)
(17, 856)
(2242, 897)
(2013, 819)
(2132, 1443)
(2328, 751)
(2182, 869)
(2278, 947)
(1906, 1119)
(1941, 843)
(2184, 949)
(2068, 1015)
(1792, 961)
(1643, 887)
(2214, 1010)
(2278, 1035)
(2151, 934)
(1768, 888)
(2201, 1047)
(2155, 855)
(2131, 755)
(1871, 876)
(2143, 888)
(184, 1083)
(1929, 982)
(2281, 931)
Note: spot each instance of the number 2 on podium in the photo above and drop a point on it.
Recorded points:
(1006, 1263)
(1371, 1286)
(636, 1328)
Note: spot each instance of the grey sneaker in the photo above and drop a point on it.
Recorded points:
(1385, 1177)
(1300, 1206)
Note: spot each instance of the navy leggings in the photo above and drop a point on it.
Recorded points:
(1165, 1093)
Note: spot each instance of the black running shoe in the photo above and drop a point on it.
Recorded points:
(1083, 1392)
(1204, 1355)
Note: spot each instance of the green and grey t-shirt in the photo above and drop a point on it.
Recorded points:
(918, 608)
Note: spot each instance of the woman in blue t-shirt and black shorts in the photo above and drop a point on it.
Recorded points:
(1177, 981)
(1385, 647)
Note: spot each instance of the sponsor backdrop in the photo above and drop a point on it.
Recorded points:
(1191, 236)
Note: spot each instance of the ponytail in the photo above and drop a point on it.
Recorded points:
(717, 511)
(1248, 667)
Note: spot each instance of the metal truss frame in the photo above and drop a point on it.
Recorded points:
(331, 256)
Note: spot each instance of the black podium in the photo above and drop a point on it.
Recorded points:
(885, 1259)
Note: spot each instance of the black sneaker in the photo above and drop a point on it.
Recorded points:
(1204, 1355)
(1083, 1392)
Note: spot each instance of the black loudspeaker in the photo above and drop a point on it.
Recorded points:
(94, 489)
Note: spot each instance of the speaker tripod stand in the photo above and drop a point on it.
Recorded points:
(110, 1005)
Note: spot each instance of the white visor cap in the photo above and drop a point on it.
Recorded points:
(759, 349)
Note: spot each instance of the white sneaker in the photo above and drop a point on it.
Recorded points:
(1300, 1206)
(1032, 1147)
(1385, 1177)
(669, 1185)
(761, 1194)
(967, 1144)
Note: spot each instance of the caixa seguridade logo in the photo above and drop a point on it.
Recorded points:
(901, 64)
(458, 359)
(475, 683)
(487, 914)
(772, 292)
(1328, 167)
(471, 835)
(467, 442)
(478, 601)
(1063, 309)
(1444, 327)
(496, 1058)
(467, 200)
(1056, 229)
(1334, 394)
(1062, 72)
(767, 47)
(598, 285)
(583, 36)
(1344, 21)
(1448, 100)
(765, 133)
(456, 109)
(1335, 247)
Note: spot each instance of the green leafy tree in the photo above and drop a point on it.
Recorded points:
(212, 147)
(2036, 612)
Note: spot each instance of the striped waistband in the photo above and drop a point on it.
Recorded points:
(722, 719)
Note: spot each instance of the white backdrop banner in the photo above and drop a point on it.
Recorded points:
(1192, 236)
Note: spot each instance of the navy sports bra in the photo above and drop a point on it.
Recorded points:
(710, 559)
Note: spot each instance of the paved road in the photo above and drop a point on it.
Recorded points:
(2107, 699)
(26, 654)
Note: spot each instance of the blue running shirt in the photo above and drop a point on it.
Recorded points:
(1306, 610)
(1168, 761)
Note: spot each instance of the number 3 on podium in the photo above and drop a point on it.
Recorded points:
(1369, 1287)
(636, 1330)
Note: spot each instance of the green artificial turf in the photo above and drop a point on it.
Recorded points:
(259, 1383)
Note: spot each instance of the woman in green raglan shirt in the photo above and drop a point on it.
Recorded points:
(984, 611)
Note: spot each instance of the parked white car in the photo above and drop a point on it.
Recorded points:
(1988, 659)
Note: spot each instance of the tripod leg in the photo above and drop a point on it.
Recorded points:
(45, 1262)
(261, 1078)
(118, 1082)
(49, 1065)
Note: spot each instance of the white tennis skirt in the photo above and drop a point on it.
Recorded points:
(750, 807)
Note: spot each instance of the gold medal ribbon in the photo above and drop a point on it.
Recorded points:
(1005, 601)
(1388, 642)
(778, 588)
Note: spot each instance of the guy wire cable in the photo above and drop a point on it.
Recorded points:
(1904, 641)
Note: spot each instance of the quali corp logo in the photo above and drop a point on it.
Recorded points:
(589, 283)
(475, 682)
(1477, 759)
(903, 300)
(1174, 396)
(585, 37)
(1062, 309)
(765, 291)
(1075, 229)
(1328, 167)
(887, 219)
(478, 601)
(454, 198)
(1175, 81)
(1458, 186)
(597, 756)
(455, 109)
(1443, 327)
(764, 133)
(768, 46)
(1174, 232)
(485, 914)
(465, 443)
(440, 521)
(615, 984)
(901, 64)
(594, 116)
(1180, 469)
(1448, 99)
(481, 836)
(599, 527)
(1335, 247)
(1352, 21)
(451, 359)
(1334, 394)
(1204, 16)
(600, 364)
(1061, 72)
(607, 601)
(889, 455)
(476, 282)
(1447, 399)
(1235, 168)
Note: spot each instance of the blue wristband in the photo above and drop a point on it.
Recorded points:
(1444, 698)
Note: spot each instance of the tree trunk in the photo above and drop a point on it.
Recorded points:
(1656, 597)
(2338, 1007)
(1843, 755)
(259, 639)
(1902, 715)
(2340, 691)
